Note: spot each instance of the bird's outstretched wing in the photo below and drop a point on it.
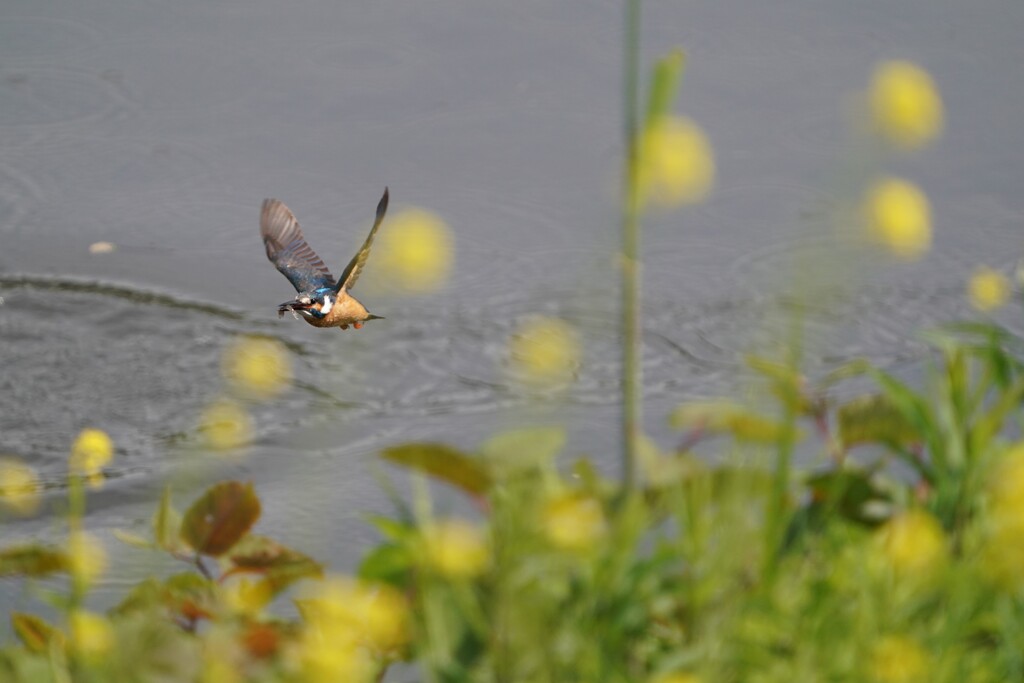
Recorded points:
(355, 266)
(288, 251)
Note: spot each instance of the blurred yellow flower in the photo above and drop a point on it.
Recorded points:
(91, 634)
(456, 549)
(899, 659)
(1006, 485)
(913, 544)
(225, 425)
(329, 661)
(91, 451)
(675, 162)
(545, 351)
(988, 289)
(223, 653)
(574, 522)
(1003, 549)
(677, 677)
(247, 596)
(87, 556)
(257, 366)
(375, 616)
(414, 252)
(899, 217)
(19, 487)
(905, 106)
(219, 669)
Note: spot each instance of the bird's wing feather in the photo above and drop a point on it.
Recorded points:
(288, 251)
(355, 266)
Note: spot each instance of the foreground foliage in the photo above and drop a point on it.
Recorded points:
(898, 560)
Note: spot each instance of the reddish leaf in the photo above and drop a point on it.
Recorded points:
(35, 633)
(258, 553)
(220, 517)
(280, 564)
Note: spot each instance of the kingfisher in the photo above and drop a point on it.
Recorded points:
(322, 300)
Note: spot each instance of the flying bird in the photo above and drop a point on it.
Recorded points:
(322, 301)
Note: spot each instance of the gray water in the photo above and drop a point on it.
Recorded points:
(160, 127)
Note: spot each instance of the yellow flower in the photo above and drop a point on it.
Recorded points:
(988, 289)
(905, 106)
(328, 661)
(456, 549)
(899, 217)
(545, 351)
(219, 669)
(91, 451)
(257, 366)
(375, 616)
(414, 252)
(1006, 486)
(1003, 549)
(899, 659)
(225, 425)
(91, 634)
(246, 596)
(19, 487)
(913, 544)
(86, 555)
(675, 163)
(573, 522)
(678, 677)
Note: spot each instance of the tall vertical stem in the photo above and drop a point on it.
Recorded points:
(632, 380)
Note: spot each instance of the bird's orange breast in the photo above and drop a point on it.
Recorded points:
(346, 311)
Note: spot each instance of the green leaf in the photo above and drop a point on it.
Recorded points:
(668, 73)
(442, 462)
(726, 417)
(853, 494)
(144, 595)
(387, 563)
(35, 633)
(915, 410)
(854, 368)
(220, 517)
(991, 422)
(874, 419)
(786, 383)
(32, 560)
(187, 594)
(135, 540)
(521, 450)
(166, 523)
(391, 529)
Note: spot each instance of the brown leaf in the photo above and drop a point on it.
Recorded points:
(442, 462)
(31, 560)
(220, 517)
(35, 633)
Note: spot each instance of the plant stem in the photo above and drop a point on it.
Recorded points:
(632, 380)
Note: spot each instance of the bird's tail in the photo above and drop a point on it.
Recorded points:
(374, 317)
